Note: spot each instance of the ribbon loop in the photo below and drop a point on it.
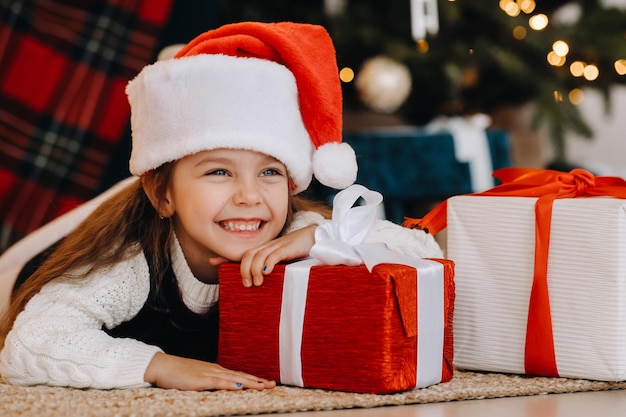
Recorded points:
(335, 241)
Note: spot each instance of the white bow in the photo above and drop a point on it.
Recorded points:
(340, 241)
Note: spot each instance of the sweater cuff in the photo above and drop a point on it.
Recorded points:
(133, 370)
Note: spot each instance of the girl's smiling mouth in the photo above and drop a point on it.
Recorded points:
(241, 226)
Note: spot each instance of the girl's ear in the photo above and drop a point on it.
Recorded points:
(161, 201)
(167, 207)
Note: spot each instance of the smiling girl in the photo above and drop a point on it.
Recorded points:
(225, 135)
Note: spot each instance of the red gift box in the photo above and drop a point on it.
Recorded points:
(361, 332)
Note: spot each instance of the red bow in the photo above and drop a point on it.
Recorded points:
(547, 185)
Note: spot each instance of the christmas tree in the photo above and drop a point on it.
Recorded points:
(483, 55)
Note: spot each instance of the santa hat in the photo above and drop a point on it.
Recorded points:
(268, 87)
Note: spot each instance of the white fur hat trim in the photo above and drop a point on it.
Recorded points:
(185, 105)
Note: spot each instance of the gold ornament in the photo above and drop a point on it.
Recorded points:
(383, 84)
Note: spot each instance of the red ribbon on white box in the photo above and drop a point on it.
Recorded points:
(339, 242)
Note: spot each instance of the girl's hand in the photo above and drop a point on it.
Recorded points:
(260, 261)
(168, 371)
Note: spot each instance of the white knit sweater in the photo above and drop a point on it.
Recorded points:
(58, 338)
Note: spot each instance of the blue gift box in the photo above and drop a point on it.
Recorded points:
(411, 166)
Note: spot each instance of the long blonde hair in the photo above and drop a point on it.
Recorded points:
(118, 229)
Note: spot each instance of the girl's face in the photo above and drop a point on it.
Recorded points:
(226, 201)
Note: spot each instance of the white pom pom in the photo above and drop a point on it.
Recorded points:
(334, 165)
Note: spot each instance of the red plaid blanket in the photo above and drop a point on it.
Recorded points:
(63, 69)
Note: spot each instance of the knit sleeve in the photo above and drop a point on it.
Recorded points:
(58, 338)
(410, 242)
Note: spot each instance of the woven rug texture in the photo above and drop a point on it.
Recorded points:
(41, 401)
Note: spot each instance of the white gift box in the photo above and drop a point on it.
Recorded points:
(492, 242)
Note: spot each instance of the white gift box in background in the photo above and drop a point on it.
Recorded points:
(492, 242)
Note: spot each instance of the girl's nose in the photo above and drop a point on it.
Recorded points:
(247, 192)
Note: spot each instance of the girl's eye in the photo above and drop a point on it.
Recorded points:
(221, 172)
(270, 171)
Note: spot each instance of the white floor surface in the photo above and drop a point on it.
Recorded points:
(584, 404)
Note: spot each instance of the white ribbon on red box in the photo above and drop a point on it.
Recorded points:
(340, 242)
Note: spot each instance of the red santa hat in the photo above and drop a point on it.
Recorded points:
(268, 87)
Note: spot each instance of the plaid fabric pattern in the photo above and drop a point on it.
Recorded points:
(64, 66)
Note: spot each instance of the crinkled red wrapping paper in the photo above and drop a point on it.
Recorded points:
(359, 331)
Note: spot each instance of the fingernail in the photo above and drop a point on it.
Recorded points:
(265, 268)
(238, 384)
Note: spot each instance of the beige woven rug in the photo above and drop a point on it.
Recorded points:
(48, 401)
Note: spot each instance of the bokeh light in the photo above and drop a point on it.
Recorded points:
(555, 59)
(577, 68)
(591, 72)
(576, 96)
(346, 75)
(422, 46)
(620, 66)
(510, 7)
(528, 6)
(561, 48)
(558, 96)
(538, 22)
(519, 32)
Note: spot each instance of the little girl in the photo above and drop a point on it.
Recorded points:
(225, 135)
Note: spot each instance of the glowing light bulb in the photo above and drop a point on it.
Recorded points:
(591, 72)
(558, 96)
(528, 6)
(555, 59)
(519, 32)
(510, 7)
(346, 75)
(577, 68)
(561, 48)
(576, 96)
(423, 46)
(620, 66)
(503, 3)
(538, 21)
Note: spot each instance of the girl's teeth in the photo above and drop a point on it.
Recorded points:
(239, 227)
